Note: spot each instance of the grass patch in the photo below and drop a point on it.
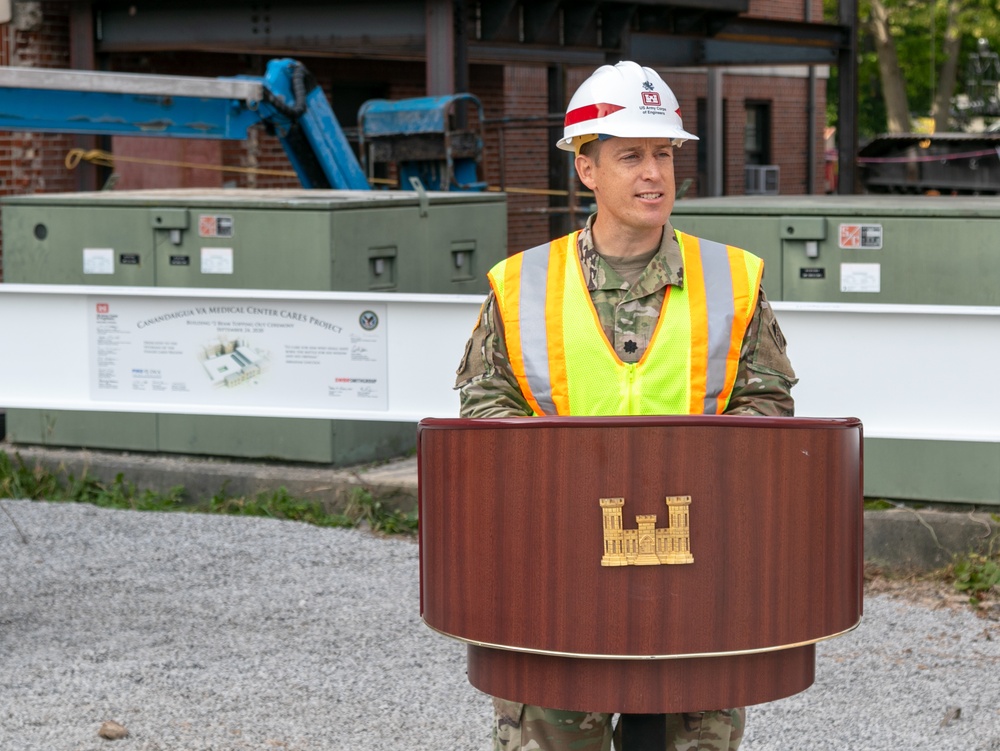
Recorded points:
(884, 504)
(276, 505)
(975, 575)
(878, 504)
(18, 480)
(368, 510)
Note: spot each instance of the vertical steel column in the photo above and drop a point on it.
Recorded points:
(847, 125)
(716, 129)
(811, 114)
(559, 176)
(440, 47)
(82, 57)
(461, 45)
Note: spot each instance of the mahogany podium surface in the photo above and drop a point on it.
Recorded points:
(641, 564)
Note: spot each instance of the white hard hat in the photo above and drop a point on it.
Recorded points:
(625, 100)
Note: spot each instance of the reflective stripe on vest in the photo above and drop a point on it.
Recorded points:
(692, 359)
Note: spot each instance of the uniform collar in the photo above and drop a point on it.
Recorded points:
(667, 266)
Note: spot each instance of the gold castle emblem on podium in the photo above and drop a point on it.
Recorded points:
(647, 545)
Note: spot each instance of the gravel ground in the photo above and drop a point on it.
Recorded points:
(220, 633)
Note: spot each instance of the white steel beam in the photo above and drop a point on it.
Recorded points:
(921, 372)
(307, 354)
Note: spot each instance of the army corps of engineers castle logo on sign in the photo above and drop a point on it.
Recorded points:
(647, 545)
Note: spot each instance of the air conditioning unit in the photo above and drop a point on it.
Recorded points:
(761, 179)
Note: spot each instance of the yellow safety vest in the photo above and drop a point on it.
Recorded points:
(564, 363)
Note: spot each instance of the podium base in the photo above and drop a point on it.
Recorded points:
(642, 686)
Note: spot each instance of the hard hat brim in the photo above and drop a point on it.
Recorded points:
(676, 136)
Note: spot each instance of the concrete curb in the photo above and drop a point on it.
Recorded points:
(922, 540)
(394, 483)
(902, 540)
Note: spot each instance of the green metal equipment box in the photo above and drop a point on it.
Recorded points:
(356, 241)
(931, 250)
(887, 252)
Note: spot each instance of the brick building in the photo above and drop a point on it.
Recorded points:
(772, 115)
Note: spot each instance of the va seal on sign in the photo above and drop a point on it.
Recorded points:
(368, 320)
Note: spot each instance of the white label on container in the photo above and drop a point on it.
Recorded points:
(216, 260)
(860, 277)
(230, 352)
(98, 260)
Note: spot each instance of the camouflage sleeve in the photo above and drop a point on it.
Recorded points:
(486, 385)
(765, 377)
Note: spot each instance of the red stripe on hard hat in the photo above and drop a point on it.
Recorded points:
(590, 112)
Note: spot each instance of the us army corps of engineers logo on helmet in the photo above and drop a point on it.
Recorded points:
(647, 545)
(651, 104)
(649, 97)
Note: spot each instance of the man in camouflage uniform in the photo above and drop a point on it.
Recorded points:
(628, 312)
(630, 258)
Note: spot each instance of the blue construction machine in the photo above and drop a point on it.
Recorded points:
(420, 136)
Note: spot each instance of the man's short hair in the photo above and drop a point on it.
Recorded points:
(592, 150)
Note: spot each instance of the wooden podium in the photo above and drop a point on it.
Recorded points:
(641, 564)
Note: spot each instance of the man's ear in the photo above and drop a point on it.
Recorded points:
(585, 169)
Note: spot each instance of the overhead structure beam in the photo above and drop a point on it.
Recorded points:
(577, 21)
(687, 32)
(616, 22)
(493, 17)
(394, 29)
(783, 33)
(541, 21)
(680, 52)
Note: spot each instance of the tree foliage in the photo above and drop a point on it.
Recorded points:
(928, 36)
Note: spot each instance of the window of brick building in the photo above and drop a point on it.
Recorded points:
(757, 138)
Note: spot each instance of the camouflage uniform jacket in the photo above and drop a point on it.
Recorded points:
(628, 315)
